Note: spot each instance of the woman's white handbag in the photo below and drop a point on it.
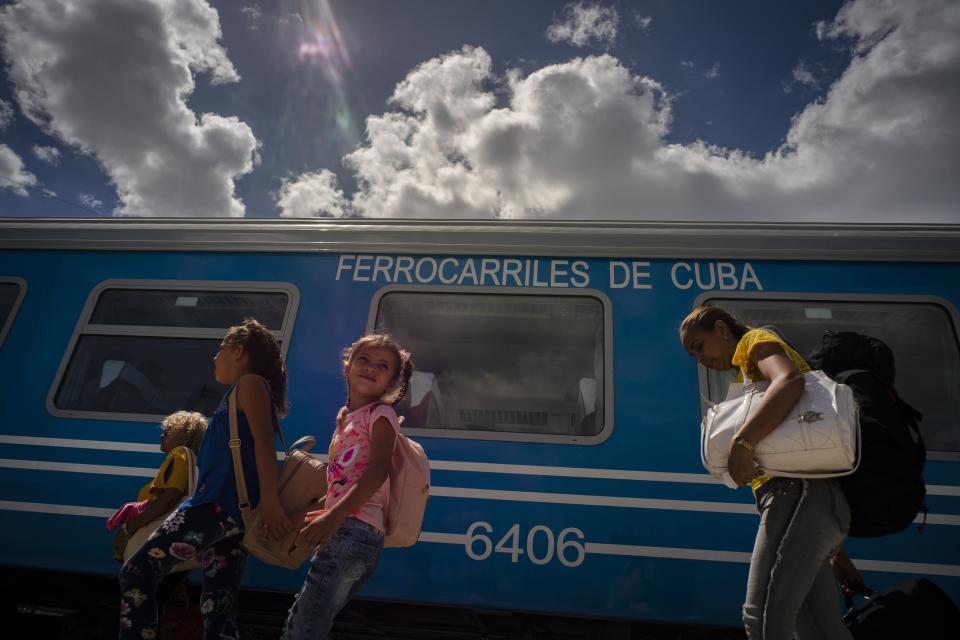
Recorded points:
(819, 438)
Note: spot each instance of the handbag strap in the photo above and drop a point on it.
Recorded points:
(234, 444)
(191, 469)
(776, 331)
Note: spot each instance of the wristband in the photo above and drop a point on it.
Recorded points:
(742, 442)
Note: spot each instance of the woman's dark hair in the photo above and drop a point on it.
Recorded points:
(265, 358)
(704, 318)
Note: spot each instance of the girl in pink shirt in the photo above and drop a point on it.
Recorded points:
(348, 533)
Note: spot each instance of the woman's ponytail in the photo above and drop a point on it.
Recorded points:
(265, 358)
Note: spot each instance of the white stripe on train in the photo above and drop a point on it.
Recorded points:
(446, 465)
(476, 494)
(591, 548)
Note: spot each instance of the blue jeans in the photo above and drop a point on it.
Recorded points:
(337, 571)
(791, 589)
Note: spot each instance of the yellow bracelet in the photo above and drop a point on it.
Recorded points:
(743, 442)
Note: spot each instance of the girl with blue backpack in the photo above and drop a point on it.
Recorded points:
(349, 533)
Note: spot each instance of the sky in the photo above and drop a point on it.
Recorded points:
(668, 110)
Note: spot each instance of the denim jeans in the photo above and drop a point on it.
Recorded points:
(206, 530)
(337, 571)
(791, 589)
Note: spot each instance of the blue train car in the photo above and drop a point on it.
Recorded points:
(552, 395)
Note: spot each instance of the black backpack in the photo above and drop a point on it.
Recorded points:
(887, 491)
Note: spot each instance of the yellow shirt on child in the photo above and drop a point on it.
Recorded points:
(172, 474)
(743, 360)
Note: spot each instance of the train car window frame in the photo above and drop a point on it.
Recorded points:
(953, 318)
(8, 322)
(85, 328)
(607, 366)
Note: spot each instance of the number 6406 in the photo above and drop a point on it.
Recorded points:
(540, 548)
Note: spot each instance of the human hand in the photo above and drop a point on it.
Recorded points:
(743, 468)
(274, 523)
(119, 544)
(846, 573)
(312, 515)
(320, 525)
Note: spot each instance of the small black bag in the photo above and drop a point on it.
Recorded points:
(887, 490)
(914, 609)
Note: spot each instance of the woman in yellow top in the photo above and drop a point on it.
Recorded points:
(790, 589)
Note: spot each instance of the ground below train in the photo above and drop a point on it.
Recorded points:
(51, 606)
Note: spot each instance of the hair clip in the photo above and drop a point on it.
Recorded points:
(404, 356)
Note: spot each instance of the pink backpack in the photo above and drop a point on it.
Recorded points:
(409, 492)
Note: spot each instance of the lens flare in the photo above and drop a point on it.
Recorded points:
(321, 45)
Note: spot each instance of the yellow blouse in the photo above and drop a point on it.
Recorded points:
(172, 474)
(743, 360)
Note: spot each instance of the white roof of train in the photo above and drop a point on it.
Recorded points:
(691, 240)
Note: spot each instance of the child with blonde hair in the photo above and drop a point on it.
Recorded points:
(348, 534)
(180, 436)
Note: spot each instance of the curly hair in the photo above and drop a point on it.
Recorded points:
(265, 358)
(185, 429)
(399, 385)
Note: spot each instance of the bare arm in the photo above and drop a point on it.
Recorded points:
(161, 505)
(254, 399)
(383, 438)
(786, 387)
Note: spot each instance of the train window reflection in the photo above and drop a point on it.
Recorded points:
(148, 375)
(171, 308)
(501, 363)
(11, 294)
(145, 349)
(921, 335)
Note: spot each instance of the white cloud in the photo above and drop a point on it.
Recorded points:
(588, 139)
(16, 177)
(6, 114)
(585, 22)
(253, 14)
(65, 56)
(311, 195)
(89, 200)
(643, 22)
(713, 72)
(50, 155)
(803, 75)
(687, 64)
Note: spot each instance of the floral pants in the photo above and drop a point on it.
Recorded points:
(206, 530)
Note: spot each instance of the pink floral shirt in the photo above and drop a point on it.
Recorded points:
(350, 457)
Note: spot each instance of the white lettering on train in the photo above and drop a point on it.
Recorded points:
(536, 272)
(714, 275)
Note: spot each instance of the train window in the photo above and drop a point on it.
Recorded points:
(12, 291)
(921, 333)
(173, 308)
(144, 349)
(511, 366)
